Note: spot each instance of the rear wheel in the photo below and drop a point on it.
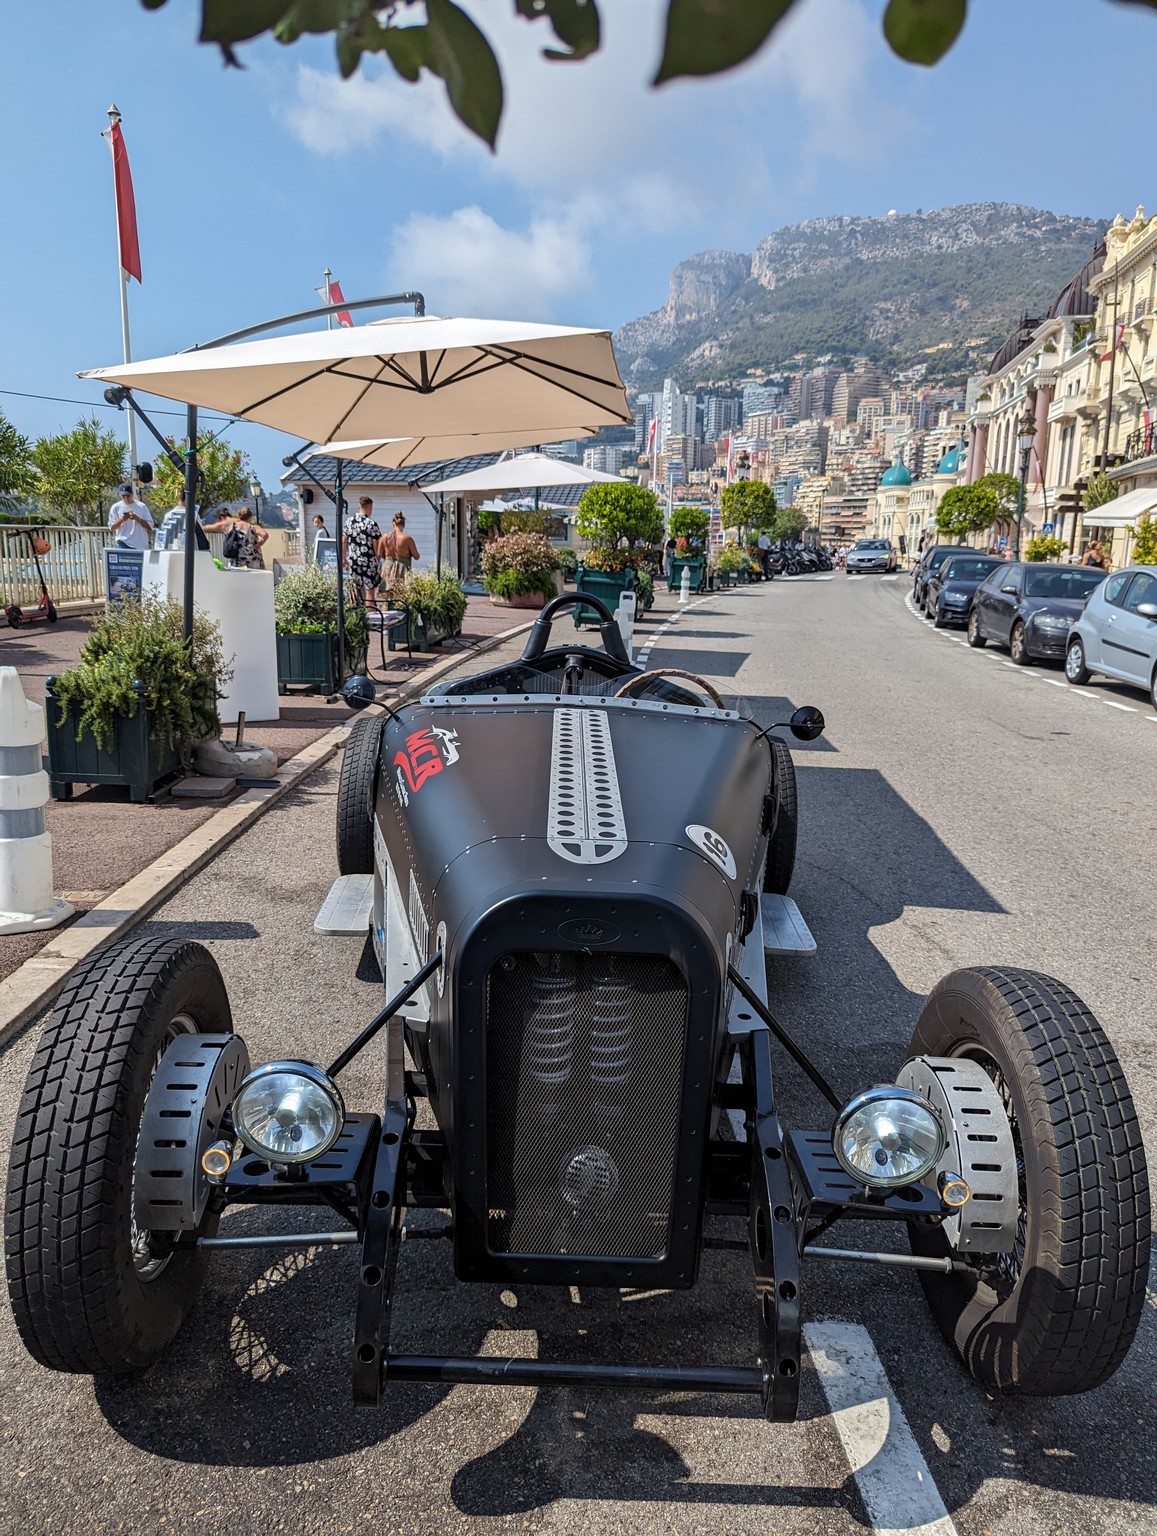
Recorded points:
(91, 1292)
(777, 872)
(1018, 646)
(1056, 1315)
(14, 616)
(50, 612)
(1075, 669)
(975, 639)
(355, 793)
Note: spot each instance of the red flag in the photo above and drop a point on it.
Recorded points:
(651, 433)
(1116, 342)
(127, 240)
(336, 296)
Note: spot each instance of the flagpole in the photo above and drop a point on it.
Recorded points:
(328, 300)
(114, 117)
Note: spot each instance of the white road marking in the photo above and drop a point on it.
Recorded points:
(1056, 682)
(1077, 694)
(857, 578)
(891, 1474)
(1112, 703)
(1153, 718)
(890, 578)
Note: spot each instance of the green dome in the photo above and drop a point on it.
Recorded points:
(950, 463)
(897, 475)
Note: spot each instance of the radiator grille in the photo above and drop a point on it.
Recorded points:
(583, 1077)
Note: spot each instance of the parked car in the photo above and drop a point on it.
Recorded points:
(948, 593)
(1117, 633)
(871, 555)
(930, 562)
(1030, 607)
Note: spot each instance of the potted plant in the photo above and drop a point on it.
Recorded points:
(137, 702)
(568, 562)
(434, 607)
(619, 520)
(305, 610)
(689, 527)
(518, 570)
(729, 562)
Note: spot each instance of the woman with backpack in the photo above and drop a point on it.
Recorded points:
(243, 538)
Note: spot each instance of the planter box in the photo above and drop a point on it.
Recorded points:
(134, 757)
(697, 567)
(609, 585)
(416, 635)
(725, 578)
(520, 600)
(307, 659)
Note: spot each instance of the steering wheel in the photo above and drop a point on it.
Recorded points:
(690, 677)
(612, 640)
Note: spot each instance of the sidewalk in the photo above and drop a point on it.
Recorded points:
(101, 840)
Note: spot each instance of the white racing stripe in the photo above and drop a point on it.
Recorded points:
(890, 1473)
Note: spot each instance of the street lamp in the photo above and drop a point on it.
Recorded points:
(1025, 434)
(255, 490)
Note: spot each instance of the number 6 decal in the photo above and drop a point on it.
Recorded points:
(714, 847)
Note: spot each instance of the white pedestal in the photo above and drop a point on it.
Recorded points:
(242, 603)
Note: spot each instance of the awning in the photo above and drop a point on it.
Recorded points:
(1125, 511)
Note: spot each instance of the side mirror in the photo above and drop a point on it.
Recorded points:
(358, 691)
(806, 723)
(1147, 610)
(1012, 592)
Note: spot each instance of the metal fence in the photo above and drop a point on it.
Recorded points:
(74, 566)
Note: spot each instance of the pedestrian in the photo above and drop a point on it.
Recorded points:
(131, 521)
(763, 544)
(320, 531)
(360, 550)
(243, 539)
(1095, 555)
(174, 524)
(398, 551)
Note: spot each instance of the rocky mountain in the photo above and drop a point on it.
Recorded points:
(946, 285)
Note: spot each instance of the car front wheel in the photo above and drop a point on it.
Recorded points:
(975, 639)
(1075, 669)
(1018, 646)
(1058, 1313)
(1153, 688)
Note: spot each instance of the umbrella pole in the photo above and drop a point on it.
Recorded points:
(441, 523)
(190, 522)
(339, 508)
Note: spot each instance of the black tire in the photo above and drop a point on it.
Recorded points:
(975, 638)
(1062, 1319)
(50, 612)
(1018, 646)
(1075, 669)
(85, 1300)
(14, 616)
(777, 872)
(355, 796)
(1153, 688)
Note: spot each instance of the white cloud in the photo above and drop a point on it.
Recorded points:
(475, 266)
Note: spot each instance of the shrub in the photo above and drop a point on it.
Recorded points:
(136, 654)
(748, 504)
(305, 603)
(439, 599)
(644, 589)
(568, 561)
(690, 523)
(1098, 493)
(1044, 547)
(1145, 541)
(519, 563)
(731, 558)
(525, 520)
(612, 514)
(967, 509)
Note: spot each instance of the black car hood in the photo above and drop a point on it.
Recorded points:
(1073, 607)
(956, 585)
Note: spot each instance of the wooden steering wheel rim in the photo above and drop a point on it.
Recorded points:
(690, 677)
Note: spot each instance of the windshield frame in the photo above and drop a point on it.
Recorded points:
(1077, 572)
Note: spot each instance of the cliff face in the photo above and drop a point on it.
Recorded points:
(891, 288)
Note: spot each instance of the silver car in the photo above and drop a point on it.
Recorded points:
(871, 555)
(1117, 632)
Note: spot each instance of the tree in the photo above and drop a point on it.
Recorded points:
(789, 524)
(967, 509)
(702, 37)
(17, 477)
(690, 523)
(1099, 492)
(222, 473)
(1044, 547)
(748, 504)
(80, 470)
(1006, 488)
(611, 514)
(1145, 541)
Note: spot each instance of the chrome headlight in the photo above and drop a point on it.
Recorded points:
(288, 1112)
(888, 1136)
(1053, 621)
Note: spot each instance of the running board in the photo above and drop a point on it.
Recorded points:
(784, 930)
(346, 910)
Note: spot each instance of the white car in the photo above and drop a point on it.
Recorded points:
(1117, 632)
(871, 555)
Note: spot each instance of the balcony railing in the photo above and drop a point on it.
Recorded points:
(1141, 444)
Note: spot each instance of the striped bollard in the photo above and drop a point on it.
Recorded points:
(26, 899)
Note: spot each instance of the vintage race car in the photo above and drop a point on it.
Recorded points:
(574, 862)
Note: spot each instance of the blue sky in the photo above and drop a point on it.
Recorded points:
(249, 184)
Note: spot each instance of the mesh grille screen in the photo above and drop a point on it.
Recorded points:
(583, 1074)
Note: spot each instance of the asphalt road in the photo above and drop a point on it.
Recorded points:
(957, 811)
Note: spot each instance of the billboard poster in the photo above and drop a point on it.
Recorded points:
(123, 573)
(325, 553)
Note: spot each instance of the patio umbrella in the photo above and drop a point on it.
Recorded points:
(401, 452)
(521, 472)
(416, 377)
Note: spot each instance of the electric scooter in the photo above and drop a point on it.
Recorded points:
(45, 610)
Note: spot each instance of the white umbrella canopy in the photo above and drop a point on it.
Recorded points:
(409, 377)
(523, 472)
(399, 452)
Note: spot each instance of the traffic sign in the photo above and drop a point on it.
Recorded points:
(1047, 528)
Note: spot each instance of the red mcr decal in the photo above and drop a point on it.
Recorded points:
(421, 760)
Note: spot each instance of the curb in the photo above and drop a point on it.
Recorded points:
(32, 986)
